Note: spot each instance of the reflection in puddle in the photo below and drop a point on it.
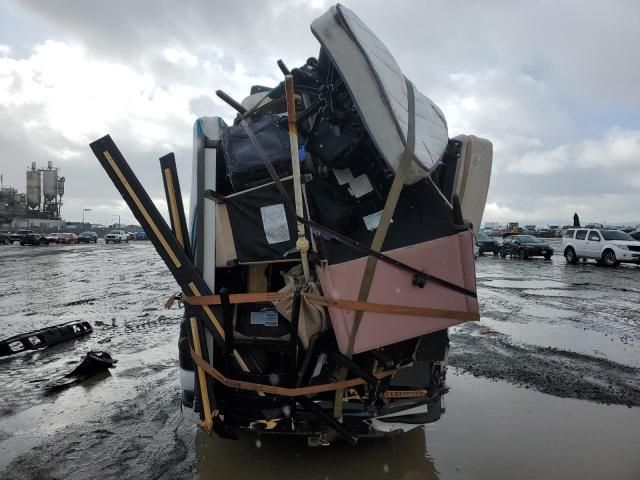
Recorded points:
(402, 457)
(512, 283)
(567, 337)
(583, 294)
(493, 430)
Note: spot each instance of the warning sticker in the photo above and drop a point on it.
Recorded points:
(267, 318)
(360, 186)
(274, 220)
(372, 220)
(343, 175)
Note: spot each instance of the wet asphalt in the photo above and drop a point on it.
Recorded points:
(546, 385)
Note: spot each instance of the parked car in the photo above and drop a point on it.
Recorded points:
(116, 236)
(524, 247)
(67, 238)
(33, 239)
(487, 244)
(635, 234)
(5, 237)
(19, 235)
(53, 237)
(546, 233)
(88, 237)
(606, 247)
(132, 236)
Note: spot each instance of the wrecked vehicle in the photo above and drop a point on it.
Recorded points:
(328, 247)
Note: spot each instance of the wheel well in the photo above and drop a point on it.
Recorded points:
(608, 249)
(569, 247)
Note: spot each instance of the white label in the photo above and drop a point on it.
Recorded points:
(268, 318)
(372, 220)
(321, 358)
(274, 220)
(343, 175)
(360, 186)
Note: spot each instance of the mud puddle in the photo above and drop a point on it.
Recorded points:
(491, 430)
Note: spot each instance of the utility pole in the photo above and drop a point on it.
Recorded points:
(84, 210)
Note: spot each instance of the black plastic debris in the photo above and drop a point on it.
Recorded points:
(44, 337)
(93, 363)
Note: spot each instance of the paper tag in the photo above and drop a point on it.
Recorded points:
(318, 368)
(274, 220)
(343, 175)
(372, 220)
(267, 318)
(360, 186)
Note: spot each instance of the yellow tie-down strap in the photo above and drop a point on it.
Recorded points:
(403, 310)
(302, 391)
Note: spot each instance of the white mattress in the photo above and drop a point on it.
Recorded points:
(473, 176)
(379, 90)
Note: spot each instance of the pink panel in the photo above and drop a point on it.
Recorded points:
(450, 258)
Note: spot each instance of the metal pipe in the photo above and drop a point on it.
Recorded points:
(231, 102)
(302, 245)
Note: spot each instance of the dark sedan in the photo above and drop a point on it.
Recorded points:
(487, 244)
(525, 246)
(34, 239)
(88, 237)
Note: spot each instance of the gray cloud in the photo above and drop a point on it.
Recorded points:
(538, 79)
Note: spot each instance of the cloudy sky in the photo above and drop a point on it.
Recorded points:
(554, 85)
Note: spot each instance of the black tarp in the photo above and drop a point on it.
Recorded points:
(247, 212)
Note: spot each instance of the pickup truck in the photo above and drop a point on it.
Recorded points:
(34, 239)
(116, 236)
(19, 235)
(27, 237)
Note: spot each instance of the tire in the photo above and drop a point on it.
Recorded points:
(503, 254)
(22, 243)
(7, 241)
(609, 258)
(43, 242)
(547, 256)
(522, 254)
(570, 256)
(496, 252)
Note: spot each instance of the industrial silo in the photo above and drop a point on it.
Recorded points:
(34, 190)
(60, 187)
(50, 183)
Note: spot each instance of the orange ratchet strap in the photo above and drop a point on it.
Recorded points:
(282, 391)
(236, 298)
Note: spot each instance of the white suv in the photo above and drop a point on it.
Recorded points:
(606, 247)
(116, 236)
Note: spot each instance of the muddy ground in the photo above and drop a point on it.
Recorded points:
(547, 385)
